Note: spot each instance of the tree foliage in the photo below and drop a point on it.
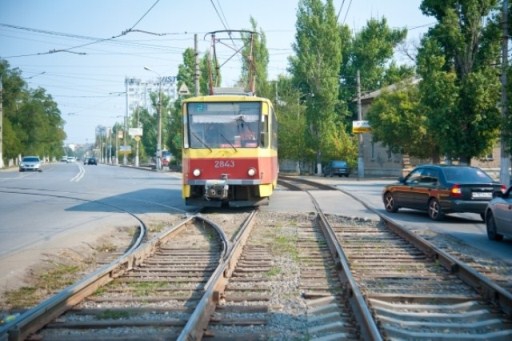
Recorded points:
(399, 124)
(459, 91)
(291, 119)
(315, 68)
(32, 122)
(186, 71)
(370, 52)
(256, 58)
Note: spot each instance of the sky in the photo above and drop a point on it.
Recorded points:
(80, 53)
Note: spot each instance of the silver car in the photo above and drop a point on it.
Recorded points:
(498, 215)
(30, 163)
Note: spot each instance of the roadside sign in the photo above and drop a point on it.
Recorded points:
(125, 149)
(135, 132)
(359, 127)
(183, 90)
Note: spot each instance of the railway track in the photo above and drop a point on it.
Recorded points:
(285, 285)
(233, 275)
(149, 293)
(418, 291)
(494, 269)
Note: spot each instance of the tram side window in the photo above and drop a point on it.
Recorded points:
(264, 140)
(274, 130)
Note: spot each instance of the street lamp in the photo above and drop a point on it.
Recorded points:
(159, 137)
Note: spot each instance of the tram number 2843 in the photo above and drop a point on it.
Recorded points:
(224, 164)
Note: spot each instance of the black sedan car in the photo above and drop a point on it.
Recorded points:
(92, 161)
(498, 216)
(441, 189)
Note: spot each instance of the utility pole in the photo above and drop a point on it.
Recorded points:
(505, 155)
(196, 74)
(360, 155)
(159, 132)
(1, 124)
(125, 132)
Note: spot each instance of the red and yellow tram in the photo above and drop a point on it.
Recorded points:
(229, 150)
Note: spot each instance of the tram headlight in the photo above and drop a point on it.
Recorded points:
(196, 172)
(251, 172)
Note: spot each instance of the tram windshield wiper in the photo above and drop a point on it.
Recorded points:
(224, 137)
(201, 141)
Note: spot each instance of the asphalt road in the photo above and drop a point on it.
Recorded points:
(69, 205)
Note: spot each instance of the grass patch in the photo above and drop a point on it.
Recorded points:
(157, 227)
(106, 247)
(273, 271)
(285, 245)
(22, 297)
(47, 282)
(58, 277)
(144, 289)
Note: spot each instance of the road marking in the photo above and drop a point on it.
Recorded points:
(80, 174)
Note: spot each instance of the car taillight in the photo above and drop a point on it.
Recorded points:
(456, 191)
(503, 188)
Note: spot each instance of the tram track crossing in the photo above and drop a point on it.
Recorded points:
(270, 289)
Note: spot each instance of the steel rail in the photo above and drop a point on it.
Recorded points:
(362, 314)
(483, 285)
(198, 321)
(287, 179)
(37, 317)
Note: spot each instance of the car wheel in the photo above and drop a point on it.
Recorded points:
(389, 203)
(492, 234)
(434, 210)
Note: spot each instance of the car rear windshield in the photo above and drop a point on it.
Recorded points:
(339, 164)
(466, 175)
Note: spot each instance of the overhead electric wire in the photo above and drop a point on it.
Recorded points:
(346, 14)
(224, 24)
(339, 12)
(69, 50)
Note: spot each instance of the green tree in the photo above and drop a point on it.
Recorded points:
(315, 70)
(459, 91)
(186, 70)
(371, 53)
(32, 122)
(399, 124)
(290, 111)
(255, 58)
(149, 122)
(204, 74)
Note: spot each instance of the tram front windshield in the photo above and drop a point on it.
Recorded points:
(224, 125)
